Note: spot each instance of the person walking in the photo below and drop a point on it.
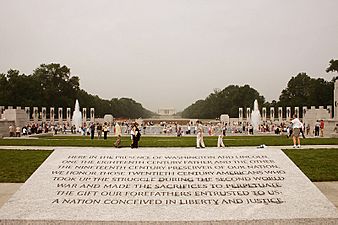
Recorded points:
(118, 133)
(296, 127)
(220, 137)
(135, 135)
(199, 136)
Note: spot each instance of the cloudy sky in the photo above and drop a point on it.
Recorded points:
(170, 53)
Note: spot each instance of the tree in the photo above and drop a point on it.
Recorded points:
(333, 66)
(303, 90)
(52, 85)
(226, 101)
(56, 85)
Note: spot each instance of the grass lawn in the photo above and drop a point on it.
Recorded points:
(164, 141)
(317, 164)
(18, 165)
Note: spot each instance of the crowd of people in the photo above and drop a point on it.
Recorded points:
(294, 128)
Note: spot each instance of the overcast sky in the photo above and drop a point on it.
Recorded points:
(170, 53)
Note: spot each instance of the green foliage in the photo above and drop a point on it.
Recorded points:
(333, 66)
(302, 90)
(52, 86)
(57, 88)
(226, 101)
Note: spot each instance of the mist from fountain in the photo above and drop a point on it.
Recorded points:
(255, 116)
(77, 116)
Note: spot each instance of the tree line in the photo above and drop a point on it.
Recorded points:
(301, 90)
(51, 85)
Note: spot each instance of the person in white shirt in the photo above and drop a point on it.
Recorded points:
(118, 132)
(199, 137)
(220, 137)
(296, 126)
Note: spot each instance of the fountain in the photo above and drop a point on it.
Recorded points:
(77, 116)
(255, 116)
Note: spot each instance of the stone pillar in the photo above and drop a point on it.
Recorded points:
(52, 115)
(288, 113)
(272, 114)
(28, 112)
(280, 114)
(2, 109)
(60, 115)
(68, 116)
(321, 107)
(44, 114)
(297, 111)
(329, 109)
(304, 111)
(18, 107)
(84, 115)
(264, 113)
(35, 114)
(335, 99)
(240, 114)
(10, 107)
(248, 115)
(92, 115)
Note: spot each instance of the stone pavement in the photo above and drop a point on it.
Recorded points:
(329, 189)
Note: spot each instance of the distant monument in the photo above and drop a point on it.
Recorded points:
(108, 118)
(224, 118)
(166, 111)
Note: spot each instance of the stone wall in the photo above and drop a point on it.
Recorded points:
(4, 127)
(19, 116)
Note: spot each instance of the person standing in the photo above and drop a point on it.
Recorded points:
(118, 132)
(199, 137)
(302, 130)
(92, 131)
(17, 131)
(105, 131)
(135, 135)
(307, 129)
(11, 131)
(335, 129)
(296, 127)
(99, 130)
(317, 128)
(321, 126)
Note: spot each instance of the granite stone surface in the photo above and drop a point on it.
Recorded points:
(168, 186)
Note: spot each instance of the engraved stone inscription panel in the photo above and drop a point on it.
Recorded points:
(172, 184)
